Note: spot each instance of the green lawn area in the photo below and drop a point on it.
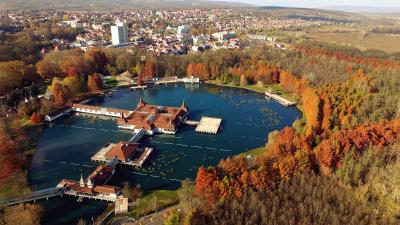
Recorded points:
(12, 189)
(277, 88)
(300, 124)
(165, 198)
(253, 152)
(110, 83)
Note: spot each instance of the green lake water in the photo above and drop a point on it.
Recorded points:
(66, 145)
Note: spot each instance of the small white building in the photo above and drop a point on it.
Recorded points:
(224, 35)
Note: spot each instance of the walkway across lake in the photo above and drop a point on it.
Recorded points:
(280, 99)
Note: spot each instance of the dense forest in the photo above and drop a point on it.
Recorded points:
(349, 144)
(305, 199)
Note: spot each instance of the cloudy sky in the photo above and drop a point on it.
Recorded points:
(323, 3)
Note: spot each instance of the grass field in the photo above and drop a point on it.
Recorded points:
(357, 38)
(253, 152)
(146, 205)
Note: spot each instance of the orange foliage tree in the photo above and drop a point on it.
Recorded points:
(291, 152)
(95, 83)
(311, 104)
(36, 118)
(60, 93)
(330, 151)
(206, 184)
(11, 138)
(200, 70)
(149, 70)
(292, 83)
(369, 61)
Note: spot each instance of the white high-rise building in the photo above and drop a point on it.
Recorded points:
(119, 34)
(182, 31)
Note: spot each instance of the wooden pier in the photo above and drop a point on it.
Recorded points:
(208, 125)
(191, 122)
(174, 81)
(280, 99)
(134, 88)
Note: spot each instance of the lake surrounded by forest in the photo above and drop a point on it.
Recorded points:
(66, 145)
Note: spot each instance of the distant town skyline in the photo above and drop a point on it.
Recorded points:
(320, 3)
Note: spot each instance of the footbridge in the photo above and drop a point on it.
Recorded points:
(32, 197)
(54, 192)
(137, 136)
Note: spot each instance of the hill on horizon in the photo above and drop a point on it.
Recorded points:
(107, 4)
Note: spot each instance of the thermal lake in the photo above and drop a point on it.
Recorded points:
(66, 145)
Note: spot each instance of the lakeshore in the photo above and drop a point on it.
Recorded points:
(262, 90)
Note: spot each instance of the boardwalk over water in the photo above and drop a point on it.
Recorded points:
(280, 99)
(52, 192)
(137, 136)
(169, 80)
(32, 197)
(134, 88)
(191, 122)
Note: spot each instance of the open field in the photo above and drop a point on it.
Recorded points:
(357, 38)
(253, 152)
(165, 198)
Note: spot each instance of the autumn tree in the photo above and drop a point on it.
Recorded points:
(206, 184)
(36, 118)
(185, 194)
(94, 83)
(312, 104)
(149, 70)
(49, 66)
(305, 199)
(330, 151)
(96, 60)
(13, 74)
(60, 93)
(12, 138)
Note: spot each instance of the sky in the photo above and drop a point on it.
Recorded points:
(322, 3)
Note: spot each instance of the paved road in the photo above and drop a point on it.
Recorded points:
(152, 219)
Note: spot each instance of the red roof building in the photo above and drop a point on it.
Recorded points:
(123, 151)
(154, 118)
(100, 175)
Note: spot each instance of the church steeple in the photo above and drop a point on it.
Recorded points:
(141, 103)
(183, 106)
(123, 117)
(81, 182)
(89, 182)
(69, 103)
